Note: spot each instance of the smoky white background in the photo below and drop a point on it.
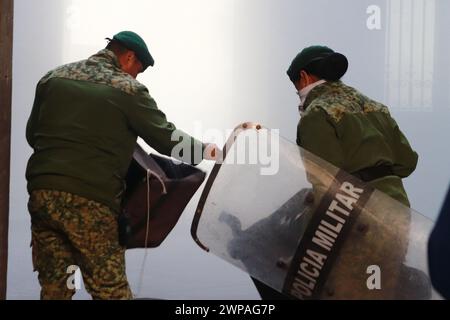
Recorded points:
(220, 63)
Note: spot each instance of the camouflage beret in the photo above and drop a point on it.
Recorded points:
(135, 43)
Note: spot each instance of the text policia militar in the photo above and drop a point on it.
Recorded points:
(318, 248)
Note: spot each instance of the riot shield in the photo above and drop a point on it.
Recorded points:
(306, 228)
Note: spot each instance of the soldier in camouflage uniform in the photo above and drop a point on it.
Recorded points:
(71, 230)
(346, 128)
(83, 128)
(355, 133)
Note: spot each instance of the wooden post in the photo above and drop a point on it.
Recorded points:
(6, 38)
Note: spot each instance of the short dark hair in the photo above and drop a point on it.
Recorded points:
(116, 47)
(314, 68)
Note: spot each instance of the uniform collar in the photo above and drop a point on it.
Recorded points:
(318, 90)
(306, 90)
(106, 56)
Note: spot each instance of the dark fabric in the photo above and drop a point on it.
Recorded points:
(180, 181)
(267, 293)
(135, 43)
(439, 251)
(373, 173)
(320, 61)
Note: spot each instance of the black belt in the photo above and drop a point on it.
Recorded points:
(373, 173)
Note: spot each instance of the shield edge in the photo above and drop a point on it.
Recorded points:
(212, 177)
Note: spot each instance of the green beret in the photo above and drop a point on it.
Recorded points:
(330, 65)
(135, 43)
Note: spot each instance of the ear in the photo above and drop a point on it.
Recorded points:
(124, 60)
(304, 78)
(130, 56)
(304, 75)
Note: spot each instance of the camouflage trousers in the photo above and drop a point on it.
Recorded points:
(68, 230)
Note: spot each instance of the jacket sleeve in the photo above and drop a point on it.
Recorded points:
(151, 124)
(405, 157)
(317, 134)
(34, 118)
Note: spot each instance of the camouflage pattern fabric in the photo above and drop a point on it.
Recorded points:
(70, 230)
(83, 128)
(101, 68)
(337, 99)
(353, 132)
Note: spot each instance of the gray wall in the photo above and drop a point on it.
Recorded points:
(219, 63)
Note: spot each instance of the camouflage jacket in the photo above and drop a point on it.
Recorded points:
(83, 128)
(354, 132)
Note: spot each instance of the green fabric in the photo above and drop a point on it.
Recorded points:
(135, 43)
(83, 128)
(353, 132)
(304, 58)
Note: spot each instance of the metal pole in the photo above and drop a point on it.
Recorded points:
(6, 38)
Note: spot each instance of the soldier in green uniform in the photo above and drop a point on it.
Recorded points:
(83, 128)
(351, 131)
(346, 128)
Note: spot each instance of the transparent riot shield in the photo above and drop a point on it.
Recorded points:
(306, 228)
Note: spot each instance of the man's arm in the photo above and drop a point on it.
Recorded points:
(405, 157)
(34, 118)
(151, 124)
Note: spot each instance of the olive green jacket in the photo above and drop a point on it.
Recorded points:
(84, 125)
(353, 132)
